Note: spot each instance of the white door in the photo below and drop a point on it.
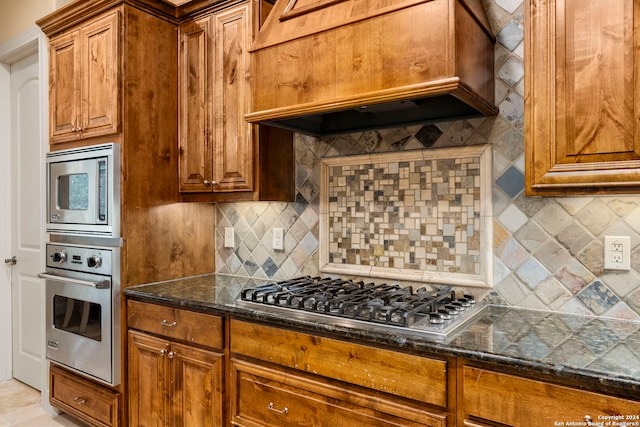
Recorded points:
(26, 222)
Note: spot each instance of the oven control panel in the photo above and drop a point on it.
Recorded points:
(97, 260)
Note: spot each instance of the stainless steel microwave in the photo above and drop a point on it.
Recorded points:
(83, 195)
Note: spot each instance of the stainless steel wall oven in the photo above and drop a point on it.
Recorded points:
(83, 328)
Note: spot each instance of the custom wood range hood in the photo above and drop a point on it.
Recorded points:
(330, 66)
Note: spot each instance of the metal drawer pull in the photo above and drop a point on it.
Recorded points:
(165, 323)
(279, 411)
(80, 400)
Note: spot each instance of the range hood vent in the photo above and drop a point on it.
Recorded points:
(323, 67)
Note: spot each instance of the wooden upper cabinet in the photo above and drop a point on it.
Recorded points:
(216, 143)
(84, 83)
(221, 156)
(64, 93)
(233, 158)
(582, 102)
(195, 114)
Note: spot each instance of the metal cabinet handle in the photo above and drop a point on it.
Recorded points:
(165, 323)
(170, 354)
(80, 400)
(271, 407)
(11, 261)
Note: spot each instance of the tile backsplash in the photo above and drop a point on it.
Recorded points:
(418, 215)
(547, 252)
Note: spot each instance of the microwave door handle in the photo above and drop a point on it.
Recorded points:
(102, 190)
(102, 284)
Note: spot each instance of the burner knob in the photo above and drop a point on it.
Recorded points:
(436, 319)
(459, 306)
(453, 309)
(464, 302)
(445, 314)
(59, 257)
(94, 261)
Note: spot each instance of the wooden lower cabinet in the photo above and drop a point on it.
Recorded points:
(83, 399)
(264, 396)
(285, 378)
(494, 398)
(180, 364)
(173, 383)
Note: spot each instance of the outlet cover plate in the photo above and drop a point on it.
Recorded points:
(617, 253)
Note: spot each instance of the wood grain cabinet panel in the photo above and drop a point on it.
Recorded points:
(95, 405)
(326, 382)
(174, 323)
(84, 80)
(221, 156)
(582, 97)
(516, 401)
(273, 397)
(174, 384)
(361, 365)
(196, 114)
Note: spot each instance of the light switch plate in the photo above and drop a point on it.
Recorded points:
(278, 239)
(617, 253)
(229, 240)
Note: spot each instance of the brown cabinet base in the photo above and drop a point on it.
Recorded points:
(265, 396)
(83, 399)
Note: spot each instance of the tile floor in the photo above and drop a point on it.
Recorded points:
(20, 405)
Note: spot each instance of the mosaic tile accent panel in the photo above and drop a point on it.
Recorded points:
(411, 215)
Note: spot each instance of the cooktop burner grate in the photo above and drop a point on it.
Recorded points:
(385, 304)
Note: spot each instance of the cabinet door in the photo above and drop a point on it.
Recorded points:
(582, 101)
(85, 400)
(64, 84)
(100, 83)
(148, 380)
(262, 396)
(195, 94)
(197, 387)
(234, 152)
(515, 401)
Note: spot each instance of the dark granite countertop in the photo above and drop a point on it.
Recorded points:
(597, 353)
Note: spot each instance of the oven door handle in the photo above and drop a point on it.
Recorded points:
(102, 284)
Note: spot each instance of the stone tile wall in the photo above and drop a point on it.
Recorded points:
(548, 252)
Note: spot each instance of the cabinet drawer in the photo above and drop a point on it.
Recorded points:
(265, 396)
(517, 401)
(89, 402)
(413, 377)
(183, 325)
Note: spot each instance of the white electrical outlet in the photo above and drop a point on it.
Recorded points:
(278, 239)
(229, 239)
(617, 253)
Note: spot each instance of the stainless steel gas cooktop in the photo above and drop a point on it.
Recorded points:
(435, 313)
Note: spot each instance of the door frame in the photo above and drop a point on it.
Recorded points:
(15, 49)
